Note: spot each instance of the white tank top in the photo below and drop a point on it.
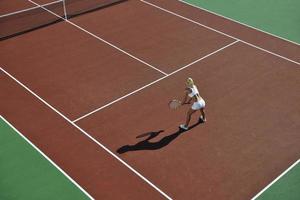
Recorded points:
(194, 91)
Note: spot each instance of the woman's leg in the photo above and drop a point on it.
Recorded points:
(188, 117)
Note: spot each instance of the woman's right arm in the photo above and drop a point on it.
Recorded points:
(185, 96)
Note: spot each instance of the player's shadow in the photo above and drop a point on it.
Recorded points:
(148, 145)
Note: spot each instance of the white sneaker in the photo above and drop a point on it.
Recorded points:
(184, 127)
(202, 119)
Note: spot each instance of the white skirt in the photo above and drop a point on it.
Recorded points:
(198, 105)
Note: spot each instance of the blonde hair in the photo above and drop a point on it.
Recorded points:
(189, 82)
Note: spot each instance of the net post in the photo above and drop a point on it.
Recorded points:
(65, 10)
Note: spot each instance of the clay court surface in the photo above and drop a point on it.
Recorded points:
(83, 101)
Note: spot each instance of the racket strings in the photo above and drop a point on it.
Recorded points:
(174, 104)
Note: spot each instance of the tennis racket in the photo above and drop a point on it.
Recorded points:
(174, 104)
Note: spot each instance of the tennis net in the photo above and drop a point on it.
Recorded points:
(39, 16)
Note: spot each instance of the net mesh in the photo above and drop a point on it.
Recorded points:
(40, 16)
(77, 7)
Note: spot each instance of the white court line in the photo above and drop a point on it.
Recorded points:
(230, 19)
(97, 37)
(275, 180)
(199, 24)
(149, 65)
(88, 135)
(47, 158)
(93, 139)
(145, 86)
(166, 75)
(28, 9)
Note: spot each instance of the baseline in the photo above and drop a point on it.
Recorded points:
(276, 179)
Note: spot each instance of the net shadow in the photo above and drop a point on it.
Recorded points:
(40, 16)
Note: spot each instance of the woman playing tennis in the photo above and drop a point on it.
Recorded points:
(192, 96)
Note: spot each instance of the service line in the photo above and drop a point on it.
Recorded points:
(145, 86)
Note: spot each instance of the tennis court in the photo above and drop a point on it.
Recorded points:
(84, 87)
